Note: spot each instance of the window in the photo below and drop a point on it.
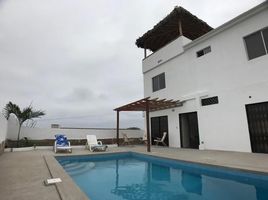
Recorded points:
(159, 82)
(257, 44)
(209, 101)
(203, 51)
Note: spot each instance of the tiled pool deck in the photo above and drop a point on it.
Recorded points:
(22, 173)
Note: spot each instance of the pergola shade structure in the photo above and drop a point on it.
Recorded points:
(179, 22)
(147, 105)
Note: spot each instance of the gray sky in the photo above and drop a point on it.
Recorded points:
(77, 59)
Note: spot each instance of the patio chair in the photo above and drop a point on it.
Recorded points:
(61, 143)
(161, 140)
(143, 139)
(126, 139)
(94, 145)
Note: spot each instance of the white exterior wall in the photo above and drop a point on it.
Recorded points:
(3, 129)
(225, 72)
(49, 133)
(164, 54)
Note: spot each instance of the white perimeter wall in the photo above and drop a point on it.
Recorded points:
(49, 133)
(3, 128)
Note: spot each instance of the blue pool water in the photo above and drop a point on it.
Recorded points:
(133, 176)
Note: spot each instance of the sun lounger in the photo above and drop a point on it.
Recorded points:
(94, 145)
(61, 143)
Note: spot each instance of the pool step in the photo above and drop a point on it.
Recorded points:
(78, 168)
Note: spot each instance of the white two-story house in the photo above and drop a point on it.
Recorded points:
(219, 75)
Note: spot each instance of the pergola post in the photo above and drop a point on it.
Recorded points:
(117, 127)
(148, 127)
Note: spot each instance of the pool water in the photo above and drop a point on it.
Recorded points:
(133, 176)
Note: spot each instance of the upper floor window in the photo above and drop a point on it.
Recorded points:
(203, 51)
(159, 82)
(257, 43)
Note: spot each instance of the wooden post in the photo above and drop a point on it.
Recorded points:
(145, 52)
(180, 28)
(148, 127)
(117, 127)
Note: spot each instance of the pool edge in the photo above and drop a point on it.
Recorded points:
(220, 166)
(67, 189)
(60, 172)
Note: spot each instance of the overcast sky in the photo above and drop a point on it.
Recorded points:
(77, 59)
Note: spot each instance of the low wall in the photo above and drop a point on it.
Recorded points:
(71, 133)
(49, 133)
(3, 133)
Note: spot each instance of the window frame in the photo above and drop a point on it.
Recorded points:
(263, 41)
(157, 78)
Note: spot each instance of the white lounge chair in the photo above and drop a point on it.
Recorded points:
(94, 145)
(61, 143)
(161, 140)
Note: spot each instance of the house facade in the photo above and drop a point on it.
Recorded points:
(219, 76)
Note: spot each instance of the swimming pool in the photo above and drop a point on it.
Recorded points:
(134, 176)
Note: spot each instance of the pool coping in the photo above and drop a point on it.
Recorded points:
(220, 166)
(68, 190)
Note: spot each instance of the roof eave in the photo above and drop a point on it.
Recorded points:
(228, 24)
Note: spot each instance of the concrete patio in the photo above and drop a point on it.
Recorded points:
(23, 173)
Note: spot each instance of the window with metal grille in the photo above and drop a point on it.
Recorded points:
(159, 82)
(203, 51)
(209, 101)
(257, 43)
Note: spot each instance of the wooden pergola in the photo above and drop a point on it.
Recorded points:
(147, 105)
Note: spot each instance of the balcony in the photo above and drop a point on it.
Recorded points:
(164, 54)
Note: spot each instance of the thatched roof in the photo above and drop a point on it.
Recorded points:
(178, 22)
